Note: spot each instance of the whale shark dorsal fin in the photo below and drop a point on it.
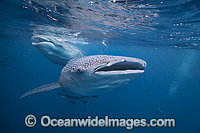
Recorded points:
(42, 88)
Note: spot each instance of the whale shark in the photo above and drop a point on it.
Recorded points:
(57, 52)
(94, 75)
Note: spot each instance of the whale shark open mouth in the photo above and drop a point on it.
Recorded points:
(121, 68)
(39, 39)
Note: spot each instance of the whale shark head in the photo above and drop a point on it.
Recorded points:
(59, 53)
(94, 75)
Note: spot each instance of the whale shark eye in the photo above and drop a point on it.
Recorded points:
(79, 70)
(60, 46)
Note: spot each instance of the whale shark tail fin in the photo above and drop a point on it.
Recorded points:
(43, 88)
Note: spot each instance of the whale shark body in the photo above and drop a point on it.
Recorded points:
(57, 52)
(94, 75)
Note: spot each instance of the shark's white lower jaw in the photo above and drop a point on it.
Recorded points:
(102, 82)
(119, 72)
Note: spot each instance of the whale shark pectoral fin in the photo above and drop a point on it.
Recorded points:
(43, 88)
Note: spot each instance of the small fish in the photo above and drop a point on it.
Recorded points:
(95, 96)
(72, 102)
(85, 102)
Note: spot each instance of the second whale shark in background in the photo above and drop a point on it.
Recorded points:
(53, 49)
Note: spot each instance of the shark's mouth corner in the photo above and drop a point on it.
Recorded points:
(122, 68)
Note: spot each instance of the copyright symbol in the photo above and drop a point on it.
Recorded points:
(30, 120)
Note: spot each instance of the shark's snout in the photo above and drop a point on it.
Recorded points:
(141, 64)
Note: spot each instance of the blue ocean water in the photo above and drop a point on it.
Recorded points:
(166, 34)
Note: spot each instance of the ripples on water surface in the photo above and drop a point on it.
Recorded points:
(169, 23)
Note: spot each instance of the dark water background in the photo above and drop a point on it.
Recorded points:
(166, 34)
